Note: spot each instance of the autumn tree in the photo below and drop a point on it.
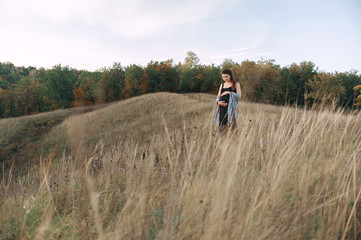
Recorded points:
(89, 82)
(249, 78)
(27, 90)
(191, 60)
(358, 99)
(79, 98)
(267, 89)
(134, 81)
(325, 88)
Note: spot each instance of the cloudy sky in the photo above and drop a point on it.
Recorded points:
(91, 34)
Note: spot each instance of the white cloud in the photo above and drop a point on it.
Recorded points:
(236, 53)
(83, 33)
(233, 55)
(240, 49)
(253, 40)
(94, 33)
(127, 18)
(244, 55)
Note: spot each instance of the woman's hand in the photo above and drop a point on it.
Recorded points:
(227, 92)
(223, 103)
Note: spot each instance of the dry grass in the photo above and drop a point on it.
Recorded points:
(22, 138)
(138, 171)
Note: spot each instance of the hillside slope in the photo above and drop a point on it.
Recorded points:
(155, 167)
(23, 140)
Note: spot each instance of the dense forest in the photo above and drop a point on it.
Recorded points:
(28, 90)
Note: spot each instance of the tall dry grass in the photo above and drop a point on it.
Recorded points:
(284, 173)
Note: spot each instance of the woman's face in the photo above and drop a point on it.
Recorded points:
(226, 77)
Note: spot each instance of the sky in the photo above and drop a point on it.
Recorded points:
(92, 34)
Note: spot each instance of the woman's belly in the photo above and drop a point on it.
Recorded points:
(224, 98)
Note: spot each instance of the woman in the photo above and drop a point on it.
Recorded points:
(228, 96)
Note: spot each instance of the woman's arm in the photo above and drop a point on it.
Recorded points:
(238, 89)
(219, 91)
(222, 103)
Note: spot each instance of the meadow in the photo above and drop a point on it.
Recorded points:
(156, 167)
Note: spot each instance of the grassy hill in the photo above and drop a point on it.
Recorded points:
(155, 167)
(23, 140)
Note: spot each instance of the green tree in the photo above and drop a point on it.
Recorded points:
(3, 83)
(228, 64)
(59, 82)
(212, 79)
(161, 76)
(299, 76)
(3, 102)
(8, 102)
(8, 73)
(349, 80)
(287, 88)
(113, 82)
(192, 79)
(31, 95)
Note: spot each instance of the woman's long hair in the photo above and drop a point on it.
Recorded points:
(229, 72)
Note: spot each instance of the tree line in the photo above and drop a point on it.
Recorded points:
(28, 90)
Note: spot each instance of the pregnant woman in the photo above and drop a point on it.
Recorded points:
(228, 96)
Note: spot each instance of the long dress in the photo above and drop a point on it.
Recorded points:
(223, 115)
